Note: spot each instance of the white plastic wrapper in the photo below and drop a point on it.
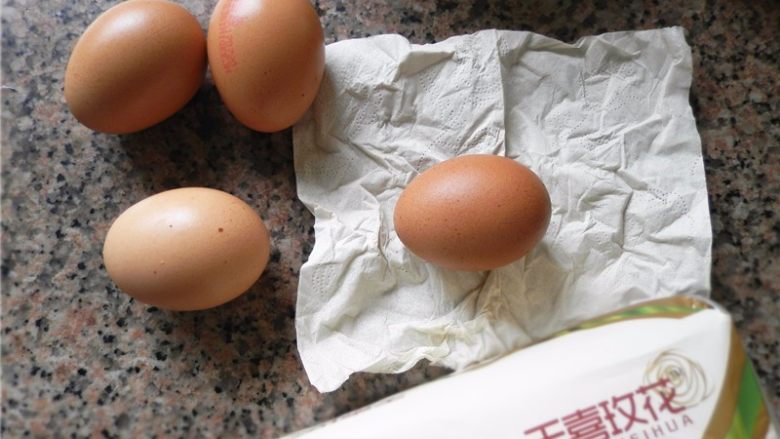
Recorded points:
(604, 122)
(675, 369)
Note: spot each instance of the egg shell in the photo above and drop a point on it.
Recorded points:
(187, 249)
(267, 59)
(473, 213)
(135, 65)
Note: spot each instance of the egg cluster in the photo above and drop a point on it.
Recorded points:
(194, 248)
(139, 63)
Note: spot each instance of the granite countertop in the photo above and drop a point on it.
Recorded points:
(80, 358)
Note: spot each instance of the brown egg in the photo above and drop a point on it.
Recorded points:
(187, 249)
(473, 213)
(267, 58)
(135, 65)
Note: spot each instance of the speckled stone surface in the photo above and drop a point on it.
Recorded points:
(81, 359)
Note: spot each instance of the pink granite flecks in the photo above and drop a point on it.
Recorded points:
(80, 359)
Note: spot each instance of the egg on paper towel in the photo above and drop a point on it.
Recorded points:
(187, 249)
(267, 58)
(473, 213)
(135, 66)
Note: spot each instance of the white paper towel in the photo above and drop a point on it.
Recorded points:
(605, 123)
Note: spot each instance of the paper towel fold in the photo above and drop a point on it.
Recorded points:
(605, 123)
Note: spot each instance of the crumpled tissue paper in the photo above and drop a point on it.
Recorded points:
(605, 122)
